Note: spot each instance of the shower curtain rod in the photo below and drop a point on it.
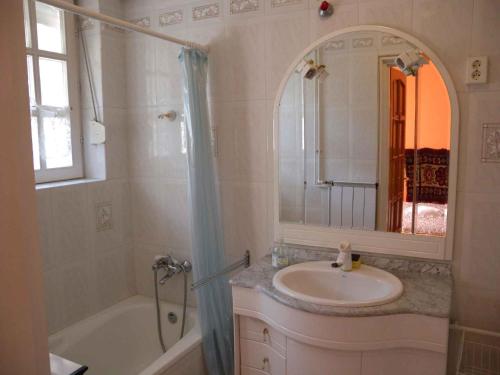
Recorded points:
(61, 4)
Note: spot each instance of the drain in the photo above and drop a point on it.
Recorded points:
(172, 317)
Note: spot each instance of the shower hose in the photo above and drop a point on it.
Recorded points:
(158, 311)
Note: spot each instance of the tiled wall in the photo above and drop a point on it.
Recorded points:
(251, 44)
(85, 228)
(87, 266)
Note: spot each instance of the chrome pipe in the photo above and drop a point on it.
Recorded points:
(244, 262)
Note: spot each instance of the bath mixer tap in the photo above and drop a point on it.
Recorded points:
(171, 266)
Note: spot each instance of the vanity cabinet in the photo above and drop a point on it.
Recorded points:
(263, 350)
(274, 339)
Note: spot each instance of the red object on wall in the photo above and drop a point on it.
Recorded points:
(324, 5)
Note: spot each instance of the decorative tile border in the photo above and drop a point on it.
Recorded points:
(243, 6)
(491, 143)
(171, 18)
(334, 45)
(281, 3)
(362, 42)
(203, 12)
(116, 29)
(143, 21)
(389, 40)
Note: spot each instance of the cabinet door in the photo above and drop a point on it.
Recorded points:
(403, 361)
(305, 359)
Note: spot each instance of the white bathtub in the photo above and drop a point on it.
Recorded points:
(122, 340)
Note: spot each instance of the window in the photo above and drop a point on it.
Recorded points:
(53, 92)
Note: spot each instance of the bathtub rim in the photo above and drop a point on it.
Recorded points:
(59, 341)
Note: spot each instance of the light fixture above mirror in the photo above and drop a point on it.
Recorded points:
(366, 125)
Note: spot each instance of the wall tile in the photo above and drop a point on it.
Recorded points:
(168, 74)
(480, 246)
(242, 141)
(284, 6)
(344, 16)
(46, 229)
(478, 308)
(148, 210)
(141, 68)
(78, 292)
(175, 217)
(53, 300)
(244, 6)
(114, 193)
(207, 11)
(213, 35)
(70, 217)
(314, 4)
(478, 176)
(485, 39)
(393, 13)
(292, 28)
(142, 156)
(170, 144)
(431, 18)
(115, 120)
(244, 57)
(111, 278)
(113, 68)
(244, 207)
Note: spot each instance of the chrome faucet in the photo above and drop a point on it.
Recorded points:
(171, 265)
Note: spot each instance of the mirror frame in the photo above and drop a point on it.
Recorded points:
(422, 246)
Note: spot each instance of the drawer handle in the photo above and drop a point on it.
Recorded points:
(265, 334)
(265, 363)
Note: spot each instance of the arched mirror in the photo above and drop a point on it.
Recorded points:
(366, 125)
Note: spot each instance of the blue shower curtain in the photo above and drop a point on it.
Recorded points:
(214, 299)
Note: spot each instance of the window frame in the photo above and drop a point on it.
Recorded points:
(70, 56)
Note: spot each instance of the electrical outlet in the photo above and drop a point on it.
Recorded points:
(477, 70)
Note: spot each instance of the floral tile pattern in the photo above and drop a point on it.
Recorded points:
(171, 18)
(206, 11)
(281, 3)
(242, 6)
(143, 21)
(491, 143)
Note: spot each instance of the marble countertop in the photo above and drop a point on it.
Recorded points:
(427, 285)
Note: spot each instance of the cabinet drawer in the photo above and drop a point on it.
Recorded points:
(245, 370)
(262, 357)
(257, 330)
(305, 359)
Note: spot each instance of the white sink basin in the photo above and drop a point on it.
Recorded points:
(318, 282)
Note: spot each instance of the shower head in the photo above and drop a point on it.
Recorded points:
(410, 61)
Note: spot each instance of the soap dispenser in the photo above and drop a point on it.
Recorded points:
(345, 258)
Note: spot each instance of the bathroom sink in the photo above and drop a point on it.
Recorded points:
(319, 283)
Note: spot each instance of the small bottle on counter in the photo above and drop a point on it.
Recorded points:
(279, 255)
